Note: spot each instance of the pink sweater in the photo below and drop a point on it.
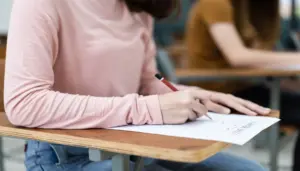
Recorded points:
(80, 64)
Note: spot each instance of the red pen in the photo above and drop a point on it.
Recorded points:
(173, 88)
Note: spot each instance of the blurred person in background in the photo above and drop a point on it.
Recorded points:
(242, 34)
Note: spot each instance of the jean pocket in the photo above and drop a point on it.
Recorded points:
(61, 153)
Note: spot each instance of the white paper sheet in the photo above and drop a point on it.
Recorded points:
(234, 129)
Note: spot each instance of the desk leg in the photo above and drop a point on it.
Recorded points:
(120, 162)
(260, 141)
(139, 164)
(274, 130)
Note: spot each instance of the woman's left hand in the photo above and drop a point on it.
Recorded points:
(222, 103)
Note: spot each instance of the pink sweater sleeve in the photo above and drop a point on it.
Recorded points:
(29, 78)
(149, 83)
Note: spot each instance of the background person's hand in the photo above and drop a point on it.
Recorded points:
(180, 107)
(222, 103)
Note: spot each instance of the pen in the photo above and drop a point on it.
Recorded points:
(173, 88)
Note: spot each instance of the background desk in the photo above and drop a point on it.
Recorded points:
(187, 75)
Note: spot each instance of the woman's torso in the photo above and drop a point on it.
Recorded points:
(101, 50)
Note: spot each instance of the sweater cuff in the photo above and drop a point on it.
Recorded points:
(154, 109)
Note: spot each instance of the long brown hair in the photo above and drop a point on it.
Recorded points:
(262, 20)
(159, 9)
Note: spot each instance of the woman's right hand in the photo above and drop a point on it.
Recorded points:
(180, 107)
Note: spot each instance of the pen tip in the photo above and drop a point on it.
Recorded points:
(209, 117)
(158, 76)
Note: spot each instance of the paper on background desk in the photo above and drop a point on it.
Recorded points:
(285, 68)
(234, 129)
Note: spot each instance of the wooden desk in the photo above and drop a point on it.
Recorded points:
(140, 144)
(130, 143)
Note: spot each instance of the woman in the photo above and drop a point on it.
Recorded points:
(90, 64)
(242, 33)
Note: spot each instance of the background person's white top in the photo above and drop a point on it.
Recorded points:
(5, 9)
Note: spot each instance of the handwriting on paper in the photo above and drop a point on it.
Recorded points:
(242, 128)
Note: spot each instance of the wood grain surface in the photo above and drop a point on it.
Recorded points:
(140, 144)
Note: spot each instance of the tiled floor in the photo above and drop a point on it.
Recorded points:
(14, 161)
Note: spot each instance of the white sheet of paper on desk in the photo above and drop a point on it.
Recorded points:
(234, 129)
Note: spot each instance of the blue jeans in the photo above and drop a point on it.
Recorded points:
(42, 156)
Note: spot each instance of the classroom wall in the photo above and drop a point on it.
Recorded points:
(5, 9)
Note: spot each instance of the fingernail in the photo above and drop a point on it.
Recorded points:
(267, 110)
(226, 110)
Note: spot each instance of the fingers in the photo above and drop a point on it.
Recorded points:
(254, 107)
(214, 107)
(214, 101)
(232, 103)
(198, 108)
(192, 116)
(200, 94)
